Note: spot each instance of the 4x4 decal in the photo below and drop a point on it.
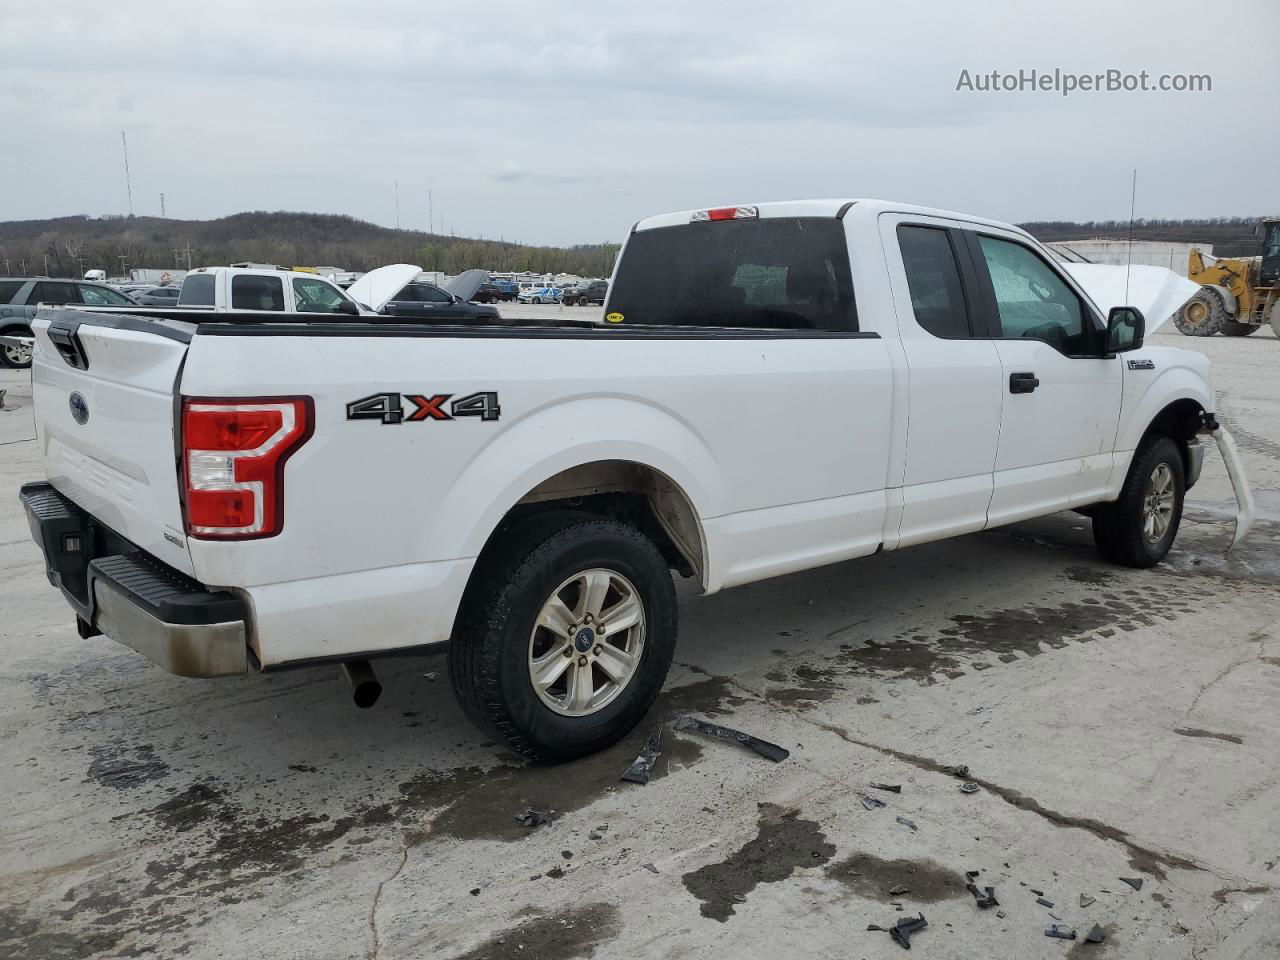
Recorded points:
(386, 408)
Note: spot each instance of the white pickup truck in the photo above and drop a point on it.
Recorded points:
(772, 388)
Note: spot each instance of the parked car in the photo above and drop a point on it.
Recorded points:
(507, 290)
(487, 293)
(166, 296)
(19, 297)
(521, 495)
(426, 300)
(540, 295)
(593, 291)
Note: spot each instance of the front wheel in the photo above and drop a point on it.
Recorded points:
(565, 635)
(1138, 529)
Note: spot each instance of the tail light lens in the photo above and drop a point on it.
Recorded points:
(233, 456)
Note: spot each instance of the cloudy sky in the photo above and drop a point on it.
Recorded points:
(565, 122)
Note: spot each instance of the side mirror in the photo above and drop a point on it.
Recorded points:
(1126, 327)
(349, 308)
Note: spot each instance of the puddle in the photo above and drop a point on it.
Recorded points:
(872, 878)
(783, 843)
(570, 933)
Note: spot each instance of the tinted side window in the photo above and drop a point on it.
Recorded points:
(788, 273)
(423, 293)
(8, 288)
(55, 292)
(197, 291)
(256, 293)
(103, 296)
(933, 278)
(1031, 299)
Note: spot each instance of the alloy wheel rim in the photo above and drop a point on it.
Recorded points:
(20, 355)
(1157, 503)
(586, 642)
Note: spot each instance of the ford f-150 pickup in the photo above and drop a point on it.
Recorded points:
(771, 388)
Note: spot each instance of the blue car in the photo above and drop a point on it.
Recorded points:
(540, 295)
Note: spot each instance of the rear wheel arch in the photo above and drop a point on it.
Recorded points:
(627, 490)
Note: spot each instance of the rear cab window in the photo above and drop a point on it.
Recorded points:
(197, 291)
(252, 292)
(933, 278)
(773, 273)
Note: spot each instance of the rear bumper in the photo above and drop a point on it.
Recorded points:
(117, 589)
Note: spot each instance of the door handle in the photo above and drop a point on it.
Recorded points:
(1023, 382)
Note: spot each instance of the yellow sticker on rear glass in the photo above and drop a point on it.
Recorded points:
(614, 317)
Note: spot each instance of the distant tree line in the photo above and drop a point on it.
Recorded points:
(1230, 236)
(67, 246)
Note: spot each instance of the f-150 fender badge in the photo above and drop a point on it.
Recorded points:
(1142, 365)
(387, 408)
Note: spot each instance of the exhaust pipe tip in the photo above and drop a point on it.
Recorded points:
(365, 688)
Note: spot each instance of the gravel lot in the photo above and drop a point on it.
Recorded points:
(1118, 724)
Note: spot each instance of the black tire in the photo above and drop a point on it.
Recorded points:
(488, 656)
(8, 354)
(1119, 528)
(1201, 316)
(1232, 329)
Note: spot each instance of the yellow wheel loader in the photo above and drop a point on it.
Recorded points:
(1237, 294)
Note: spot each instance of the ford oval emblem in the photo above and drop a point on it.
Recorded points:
(79, 409)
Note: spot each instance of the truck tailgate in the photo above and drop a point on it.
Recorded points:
(104, 390)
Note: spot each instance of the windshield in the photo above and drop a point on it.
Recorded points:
(788, 273)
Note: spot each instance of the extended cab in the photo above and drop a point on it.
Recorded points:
(771, 388)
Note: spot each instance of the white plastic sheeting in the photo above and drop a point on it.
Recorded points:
(1157, 291)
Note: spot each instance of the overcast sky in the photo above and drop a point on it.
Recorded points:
(565, 122)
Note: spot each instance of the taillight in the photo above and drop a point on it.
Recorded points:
(233, 457)
(725, 213)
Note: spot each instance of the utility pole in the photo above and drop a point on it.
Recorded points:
(162, 205)
(6, 266)
(128, 183)
(397, 204)
(46, 264)
(185, 251)
(124, 262)
(431, 214)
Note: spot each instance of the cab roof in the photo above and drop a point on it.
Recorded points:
(865, 207)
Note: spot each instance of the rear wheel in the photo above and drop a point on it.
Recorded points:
(1232, 329)
(19, 358)
(565, 635)
(1202, 316)
(1138, 529)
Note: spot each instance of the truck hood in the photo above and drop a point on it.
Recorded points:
(1157, 291)
(376, 287)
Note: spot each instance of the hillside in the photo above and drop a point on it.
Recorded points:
(73, 244)
(69, 245)
(1230, 236)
